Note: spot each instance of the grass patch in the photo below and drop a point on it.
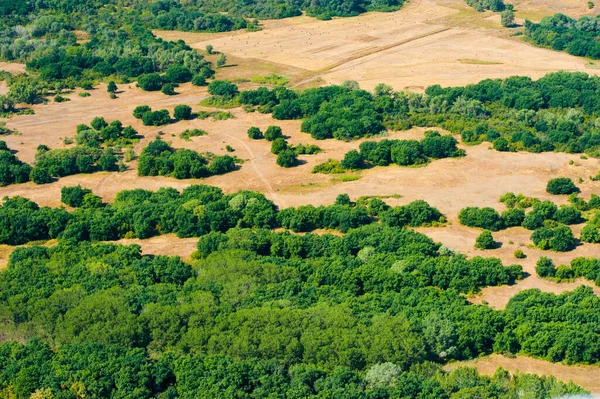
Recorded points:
(216, 115)
(276, 80)
(188, 134)
(220, 102)
(84, 94)
(331, 166)
(345, 178)
(474, 61)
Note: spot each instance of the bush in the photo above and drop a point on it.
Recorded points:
(98, 123)
(40, 175)
(140, 110)
(353, 160)
(168, 89)
(590, 233)
(485, 240)
(278, 145)
(182, 112)
(331, 166)
(178, 74)
(545, 267)
(150, 82)
(73, 196)
(485, 218)
(561, 185)
(287, 159)
(199, 80)
(156, 118)
(519, 254)
(222, 88)
(273, 132)
(558, 238)
(255, 133)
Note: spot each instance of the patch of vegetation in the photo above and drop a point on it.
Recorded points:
(275, 80)
(160, 159)
(189, 133)
(216, 115)
(331, 166)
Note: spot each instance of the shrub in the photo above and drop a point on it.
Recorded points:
(287, 159)
(182, 112)
(561, 185)
(590, 233)
(177, 74)
(255, 133)
(278, 145)
(353, 160)
(222, 88)
(168, 89)
(40, 175)
(273, 132)
(558, 238)
(485, 240)
(331, 166)
(545, 267)
(150, 82)
(98, 123)
(140, 110)
(156, 118)
(199, 80)
(519, 254)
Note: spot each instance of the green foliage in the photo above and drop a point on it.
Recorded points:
(140, 110)
(112, 87)
(273, 79)
(168, 89)
(160, 159)
(199, 80)
(331, 166)
(12, 169)
(485, 240)
(182, 112)
(222, 88)
(519, 254)
(561, 185)
(156, 118)
(557, 238)
(507, 18)
(287, 159)
(254, 133)
(482, 5)
(73, 196)
(279, 145)
(150, 82)
(273, 132)
(188, 134)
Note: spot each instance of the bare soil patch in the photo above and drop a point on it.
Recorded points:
(168, 244)
(585, 376)
(420, 45)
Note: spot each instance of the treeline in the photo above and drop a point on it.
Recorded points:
(562, 33)
(195, 211)
(160, 159)
(12, 169)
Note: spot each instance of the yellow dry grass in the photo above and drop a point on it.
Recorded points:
(424, 43)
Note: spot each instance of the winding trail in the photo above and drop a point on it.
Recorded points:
(256, 169)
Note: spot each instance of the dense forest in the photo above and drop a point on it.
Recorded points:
(264, 314)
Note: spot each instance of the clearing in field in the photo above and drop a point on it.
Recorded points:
(586, 376)
(424, 43)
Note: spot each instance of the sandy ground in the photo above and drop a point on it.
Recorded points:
(427, 42)
(168, 244)
(585, 376)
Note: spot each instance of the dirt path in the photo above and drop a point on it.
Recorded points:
(256, 169)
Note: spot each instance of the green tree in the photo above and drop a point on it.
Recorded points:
(273, 132)
(112, 87)
(545, 267)
(485, 240)
(287, 159)
(507, 18)
(561, 185)
(255, 133)
(182, 112)
(222, 60)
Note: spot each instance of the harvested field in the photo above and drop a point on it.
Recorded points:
(585, 376)
(424, 43)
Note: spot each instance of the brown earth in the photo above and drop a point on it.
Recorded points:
(587, 377)
(424, 43)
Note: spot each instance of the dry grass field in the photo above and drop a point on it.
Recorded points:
(425, 43)
(585, 376)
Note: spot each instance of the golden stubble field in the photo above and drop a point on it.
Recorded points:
(427, 42)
